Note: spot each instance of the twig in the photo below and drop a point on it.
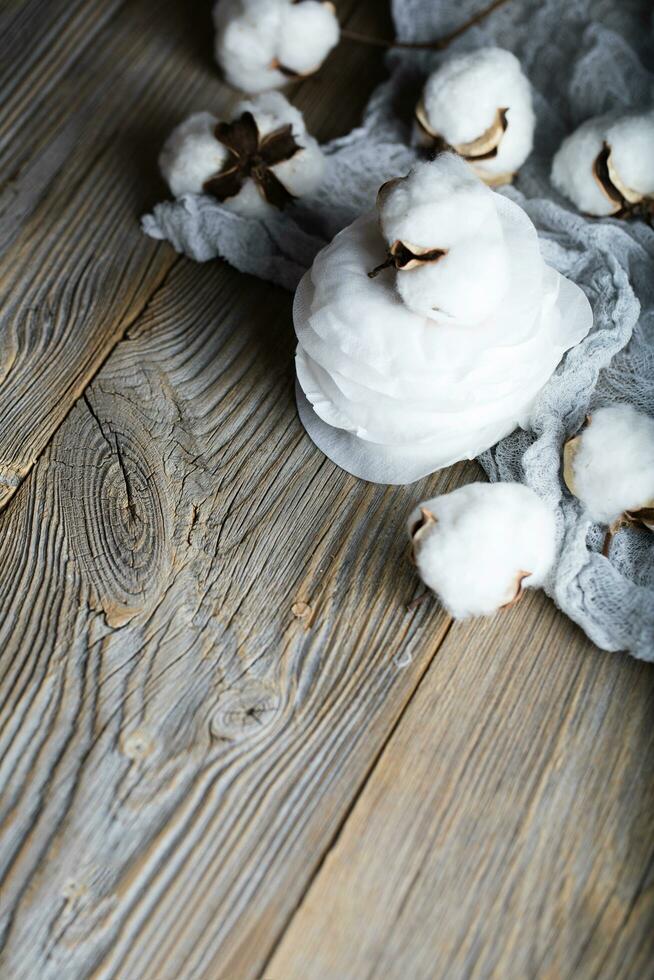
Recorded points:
(437, 45)
(386, 264)
(415, 603)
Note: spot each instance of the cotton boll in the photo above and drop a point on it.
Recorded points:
(631, 140)
(260, 44)
(191, 154)
(466, 284)
(478, 547)
(442, 208)
(440, 199)
(572, 169)
(245, 43)
(309, 32)
(303, 173)
(480, 103)
(609, 466)
(605, 166)
(193, 157)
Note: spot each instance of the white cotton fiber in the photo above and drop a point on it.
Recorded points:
(245, 43)
(192, 154)
(480, 545)
(460, 102)
(308, 33)
(630, 140)
(442, 199)
(442, 205)
(632, 150)
(260, 44)
(304, 172)
(612, 463)
(572, 169)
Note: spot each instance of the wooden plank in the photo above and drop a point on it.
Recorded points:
(205, 645)
(77, 270)
(508, 829)
(87, 171)
(39, 42)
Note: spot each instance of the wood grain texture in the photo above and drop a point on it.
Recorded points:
(81, 157)
(207, 665)
(508, 829)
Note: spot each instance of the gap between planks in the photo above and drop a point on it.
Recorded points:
(506, 830)
(333, 842)
(6, 502)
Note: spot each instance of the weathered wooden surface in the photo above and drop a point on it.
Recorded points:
(213, 670)
(88, 106)
(507, 828)
(227, 749)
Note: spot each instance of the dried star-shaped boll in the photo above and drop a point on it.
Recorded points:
(480, 546)
(480, 104)
(263, 44)
(609, 466)
(263, 158)
(606, 167)
(408, 363)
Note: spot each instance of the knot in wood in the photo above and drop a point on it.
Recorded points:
(244, 711)
(116, 518)
(137, 744)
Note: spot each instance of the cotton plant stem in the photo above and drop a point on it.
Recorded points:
(437, 45)
(416, 603)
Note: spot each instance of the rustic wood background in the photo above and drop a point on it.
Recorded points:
(227, 749)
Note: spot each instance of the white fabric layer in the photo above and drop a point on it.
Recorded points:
(418, 395)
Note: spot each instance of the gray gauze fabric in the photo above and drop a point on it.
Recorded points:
(583, 57)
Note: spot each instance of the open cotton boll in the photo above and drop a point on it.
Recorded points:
(466, 284)
(480, 103)
(309, 31)
(631, 140)
(609, 466)
(442, 214)
(263, 158)
(191, 154)
(303, 172)
(261, 44)
(478, 547)
(389, 387)
(572, 169)
(245, 42)
(444, 191)
(605, 166)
